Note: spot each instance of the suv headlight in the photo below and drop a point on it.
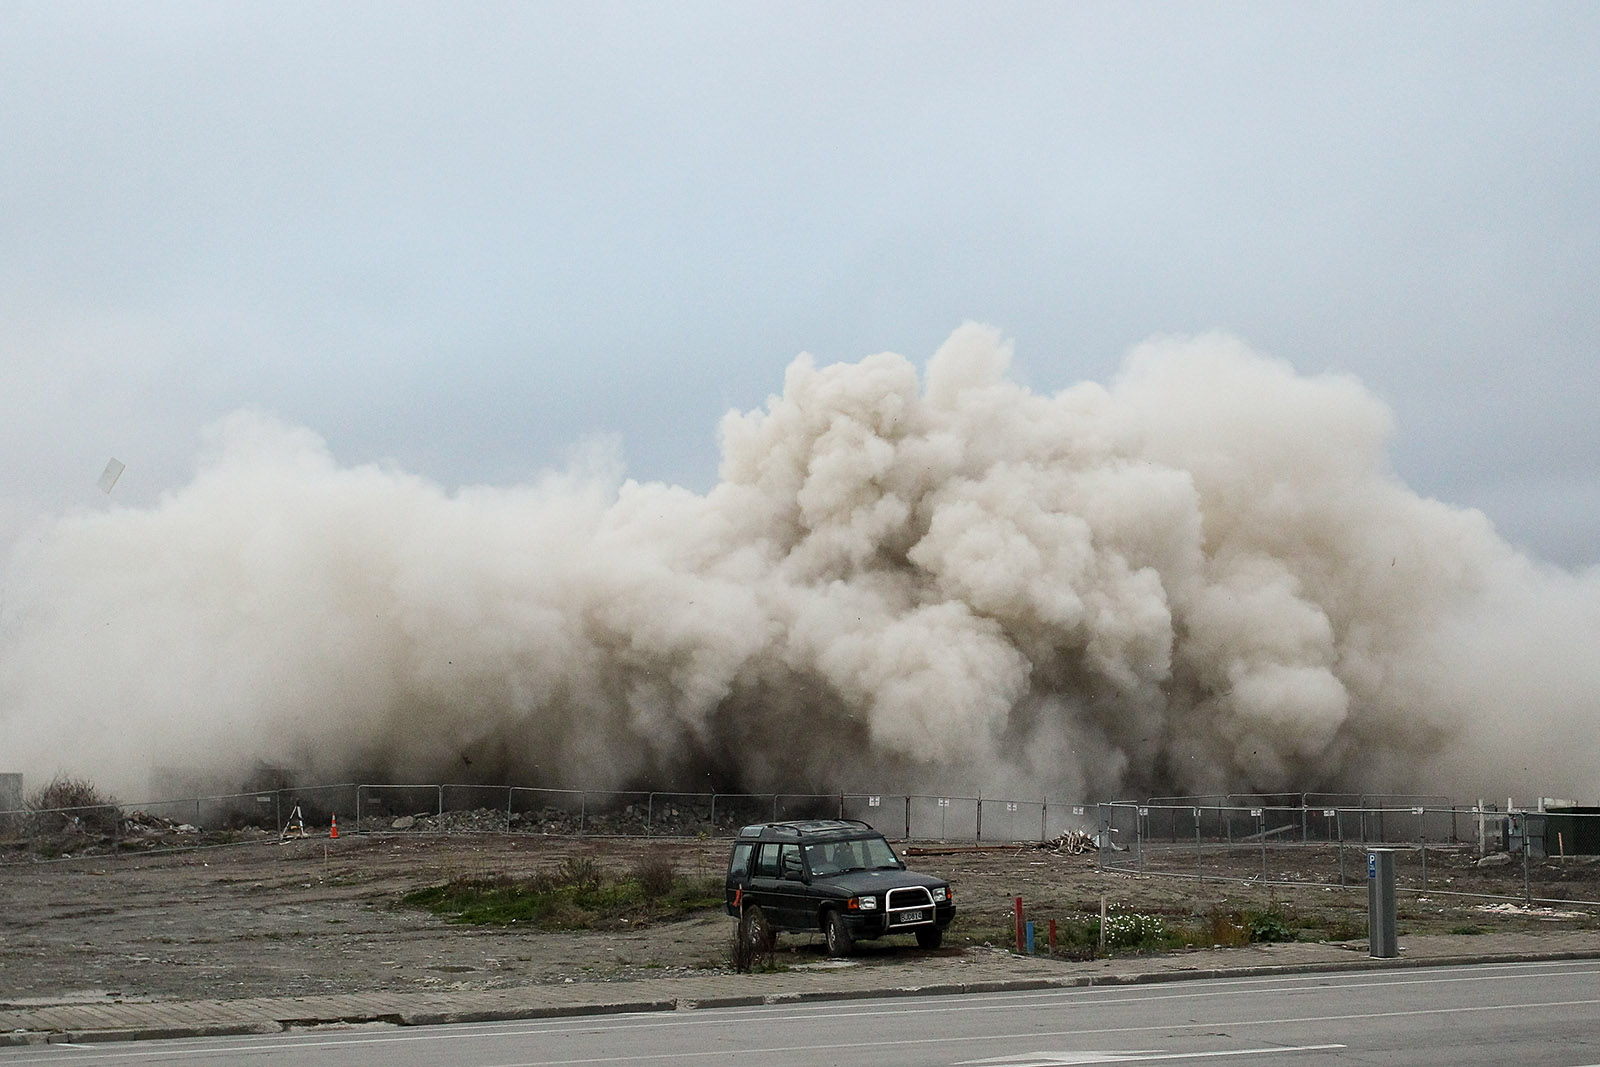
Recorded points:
(941, 894)
(865, 903)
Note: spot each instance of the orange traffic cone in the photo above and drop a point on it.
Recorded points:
(334, 830)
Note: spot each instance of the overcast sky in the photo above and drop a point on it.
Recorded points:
(465, 238)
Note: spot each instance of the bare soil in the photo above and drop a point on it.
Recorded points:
(308, 916)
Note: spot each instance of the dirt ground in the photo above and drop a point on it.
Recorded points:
(318, 916)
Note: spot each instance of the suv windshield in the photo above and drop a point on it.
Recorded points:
(858, 854)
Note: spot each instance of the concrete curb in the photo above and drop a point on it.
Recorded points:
(693, 1003)
(136, 1033)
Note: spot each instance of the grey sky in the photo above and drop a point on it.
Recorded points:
(466, 237)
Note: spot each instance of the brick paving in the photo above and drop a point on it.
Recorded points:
(971, 970)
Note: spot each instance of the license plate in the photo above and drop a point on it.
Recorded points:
(911, 917)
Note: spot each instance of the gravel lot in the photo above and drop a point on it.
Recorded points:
(311, 916)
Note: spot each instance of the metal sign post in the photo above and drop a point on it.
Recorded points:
(1382, 940)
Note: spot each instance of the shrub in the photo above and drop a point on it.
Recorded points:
(1268, 926)
(579, 872)
(656, 874)
(1134, 930)
(72, 804)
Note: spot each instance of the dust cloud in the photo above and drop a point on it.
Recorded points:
(1200, 578)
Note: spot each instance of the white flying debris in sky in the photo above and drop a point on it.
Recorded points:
(109, 476)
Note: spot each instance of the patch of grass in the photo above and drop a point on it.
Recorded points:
(1469, 928)
(1256, 926)
(578, 895)
(1078, 937)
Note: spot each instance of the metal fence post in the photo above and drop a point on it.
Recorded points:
(1197, 863)
(1261, 831)
(1339, 820)
(1527, 891)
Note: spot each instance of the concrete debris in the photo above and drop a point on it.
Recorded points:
(1533, 912)
(632, 820)
(1071, 843)
(144, 824)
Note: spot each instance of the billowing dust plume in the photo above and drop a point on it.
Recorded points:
(1202, 578)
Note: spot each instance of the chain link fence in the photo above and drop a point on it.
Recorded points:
(1445, 849)
(1305, 838)
(458, 808)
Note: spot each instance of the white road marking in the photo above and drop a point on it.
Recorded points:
(1069, 1059)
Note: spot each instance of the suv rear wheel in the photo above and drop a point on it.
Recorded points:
(753, 939)
(930, 937)
(838, 934)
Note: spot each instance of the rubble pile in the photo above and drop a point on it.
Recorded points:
(1071, 843)
(145, 824)
(631, 820)
(470, 821)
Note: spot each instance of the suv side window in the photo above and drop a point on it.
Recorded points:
(740, 864)
(789, 862)
(767, 861)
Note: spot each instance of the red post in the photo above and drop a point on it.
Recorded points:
(1052, 937)
(1018, 908)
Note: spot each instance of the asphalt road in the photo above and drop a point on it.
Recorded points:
(1531, 1015)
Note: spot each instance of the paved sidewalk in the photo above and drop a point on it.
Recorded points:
(973, 970)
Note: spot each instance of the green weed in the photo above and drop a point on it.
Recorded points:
(578, 895)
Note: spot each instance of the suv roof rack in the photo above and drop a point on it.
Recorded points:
(800, 828)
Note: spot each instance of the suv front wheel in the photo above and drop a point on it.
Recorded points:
(838, 934)
(929, 937)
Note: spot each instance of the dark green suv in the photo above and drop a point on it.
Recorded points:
(836, 876)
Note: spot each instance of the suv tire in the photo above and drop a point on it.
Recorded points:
(838, 934)
(756, 939)
(930, 937)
